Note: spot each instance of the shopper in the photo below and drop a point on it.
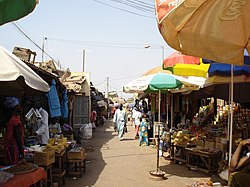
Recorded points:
(93, 118)
(137, 117)
(143, 140)
(120, 120)
(239, 165)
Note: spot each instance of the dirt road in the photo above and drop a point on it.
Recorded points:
(115, 163)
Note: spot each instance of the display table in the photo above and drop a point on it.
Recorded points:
(180, 152)
(202, 160)
(48, 170)
(27, 179)
(76, 166)
(59, 166)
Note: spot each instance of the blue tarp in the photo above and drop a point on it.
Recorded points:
(53, 100)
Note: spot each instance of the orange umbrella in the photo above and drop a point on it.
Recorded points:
(157, 69)
(211, 29)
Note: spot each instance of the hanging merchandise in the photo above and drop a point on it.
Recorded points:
(53, 100)
(64, 105)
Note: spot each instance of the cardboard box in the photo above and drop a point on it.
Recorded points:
(76, 154)
(44, 158)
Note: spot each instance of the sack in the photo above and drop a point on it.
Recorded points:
(85, 132)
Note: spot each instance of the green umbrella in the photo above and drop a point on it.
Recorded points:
(159, 82)
(12, 10)
(163, 82)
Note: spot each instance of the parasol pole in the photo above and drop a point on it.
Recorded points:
(231, 114)
(172, 109)
(158, 138)
(167, 110)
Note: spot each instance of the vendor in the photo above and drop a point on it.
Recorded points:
(55, 127)
(67, 130)
(239, 165)
(14, 137)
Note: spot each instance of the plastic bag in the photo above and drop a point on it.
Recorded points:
(85, 131)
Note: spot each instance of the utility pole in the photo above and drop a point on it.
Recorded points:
(44, 38)
(83, 59)
(107, 88)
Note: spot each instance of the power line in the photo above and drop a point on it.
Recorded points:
(21, 31)
(102, 44)
(136, 5)
(128, 11)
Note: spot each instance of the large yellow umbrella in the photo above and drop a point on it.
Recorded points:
(218, 30)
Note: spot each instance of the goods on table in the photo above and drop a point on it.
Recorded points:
(201, 183)
(57, 144)
(4, 176)
(45, 157)
(22, 167)
(76, 153)
(182, 138)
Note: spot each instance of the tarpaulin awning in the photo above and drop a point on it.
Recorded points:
(17, 78)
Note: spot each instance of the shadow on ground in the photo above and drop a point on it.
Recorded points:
(94, 160)
(181, 170)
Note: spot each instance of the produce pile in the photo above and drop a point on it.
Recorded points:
(182, 138)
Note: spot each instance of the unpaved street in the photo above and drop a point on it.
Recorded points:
(115, 163)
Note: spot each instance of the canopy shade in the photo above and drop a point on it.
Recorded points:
(17, 78)
(12, 10)
(157, 69)
(211, 29)
(209, 70)
(152, 83)
(178, 58)
(221, 91)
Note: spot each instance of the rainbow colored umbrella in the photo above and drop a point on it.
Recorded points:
(210, 70)
(179, 58)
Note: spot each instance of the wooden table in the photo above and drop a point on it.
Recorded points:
(59, 166)
(77, 166)
(36, 177)
(182, 157)
(203, 161)
(48, 170)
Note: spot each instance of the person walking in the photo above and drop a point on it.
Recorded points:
(120, 120)
(143, 140)
(137, 117)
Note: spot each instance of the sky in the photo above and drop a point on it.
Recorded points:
(112, 34)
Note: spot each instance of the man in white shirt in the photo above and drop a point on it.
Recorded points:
(137, 120)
